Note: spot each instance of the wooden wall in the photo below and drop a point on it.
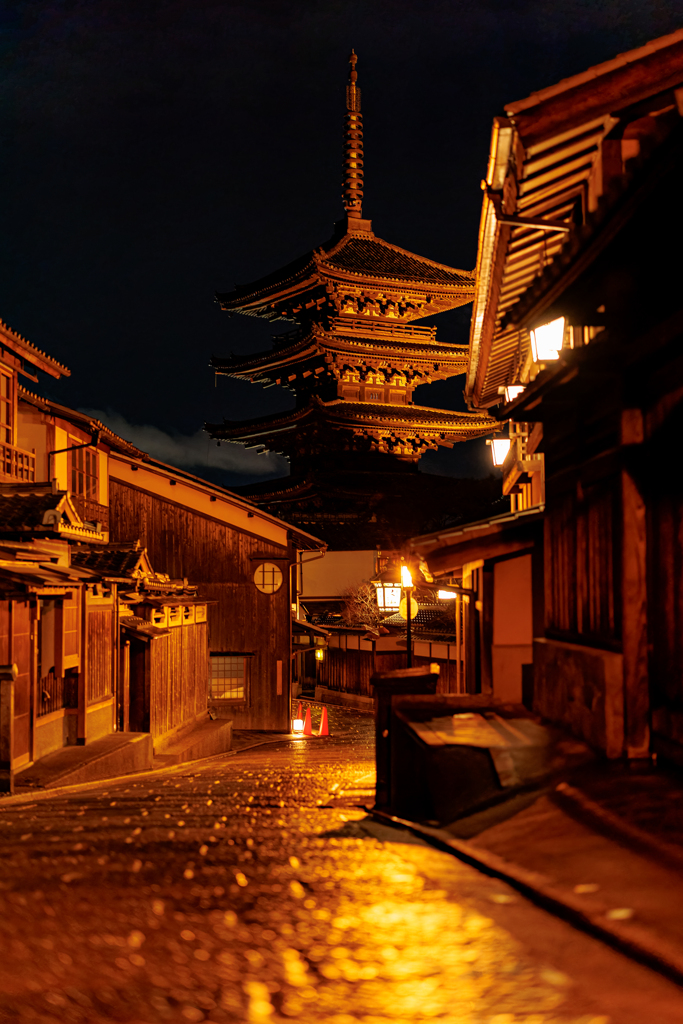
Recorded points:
(99, 662)
(217, 557)
(15, 647)
(179, 673)
(350, 671)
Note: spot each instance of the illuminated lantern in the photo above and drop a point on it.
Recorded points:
(547, 341)
(406, 578)
(388, 590)
(512, 391)
(500, 446)
(298, 726)
(446, 595)
(319, 654)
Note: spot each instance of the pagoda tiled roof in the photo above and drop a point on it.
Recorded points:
(372, 257)
(345, 413)
(383, 346)
(352, 255)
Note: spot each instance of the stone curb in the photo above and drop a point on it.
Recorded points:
(579, 805)
(636, 942)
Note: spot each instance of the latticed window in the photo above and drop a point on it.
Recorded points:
(268, 577)
(228, 677)
(84, 473)
(6, 408)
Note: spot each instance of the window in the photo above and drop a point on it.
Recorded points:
(268, 577)
(228, 677)
(6, 408)
(84, 473)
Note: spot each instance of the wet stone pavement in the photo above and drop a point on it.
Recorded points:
(252, 887)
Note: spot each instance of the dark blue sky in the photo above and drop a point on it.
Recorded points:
(155, 152)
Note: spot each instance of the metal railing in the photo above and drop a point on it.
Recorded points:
(17, 463)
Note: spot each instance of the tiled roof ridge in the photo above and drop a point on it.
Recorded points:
(15, 336)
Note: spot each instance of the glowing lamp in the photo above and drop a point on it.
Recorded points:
(547, 341)
(406, 578)
(512, 391)
(319, 654)
(500, 446)
(298, 726)
(388, 596)
(446, 595)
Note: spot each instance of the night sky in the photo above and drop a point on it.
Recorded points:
(154, 152)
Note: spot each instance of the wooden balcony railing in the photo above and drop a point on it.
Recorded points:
(17, 464)
(91, 511)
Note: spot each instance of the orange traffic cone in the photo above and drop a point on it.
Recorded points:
(299, 712)
(324, 729)
(307, 724)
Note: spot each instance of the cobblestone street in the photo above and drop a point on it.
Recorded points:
(252, 887)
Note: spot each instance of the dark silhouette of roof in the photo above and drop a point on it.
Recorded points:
(22, 512)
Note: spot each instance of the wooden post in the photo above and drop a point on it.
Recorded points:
(8, 673)
(634, 619)
(459, 616)
(125, 686)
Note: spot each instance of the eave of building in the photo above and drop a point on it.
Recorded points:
(180, 487)
(555, 136)
(29, 353)
(329, 350)
(362, 415)
(447, 550)
(86, 423)
(624, 80)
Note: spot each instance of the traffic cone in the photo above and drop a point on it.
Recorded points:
(299, 711)
(324, 729)
(307, 724)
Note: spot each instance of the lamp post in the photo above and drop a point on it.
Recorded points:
(407, 584)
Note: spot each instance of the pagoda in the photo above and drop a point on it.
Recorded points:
(353, 360)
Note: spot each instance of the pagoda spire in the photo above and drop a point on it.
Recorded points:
(352, 186)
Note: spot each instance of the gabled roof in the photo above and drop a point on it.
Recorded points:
(29, 353)
(85, 422)
(112, 560)
(37, 510)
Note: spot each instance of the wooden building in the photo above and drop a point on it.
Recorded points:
(353, 361)
(245, 563)
(576, 338)
(109, 635)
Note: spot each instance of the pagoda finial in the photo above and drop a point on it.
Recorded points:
(352, 193)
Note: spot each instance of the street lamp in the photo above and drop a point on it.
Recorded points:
(388, 590)
(407, 584)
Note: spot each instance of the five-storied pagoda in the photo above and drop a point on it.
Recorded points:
(353, 361)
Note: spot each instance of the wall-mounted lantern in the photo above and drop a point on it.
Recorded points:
(500, 446)
(547, 341)
(319, 653)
